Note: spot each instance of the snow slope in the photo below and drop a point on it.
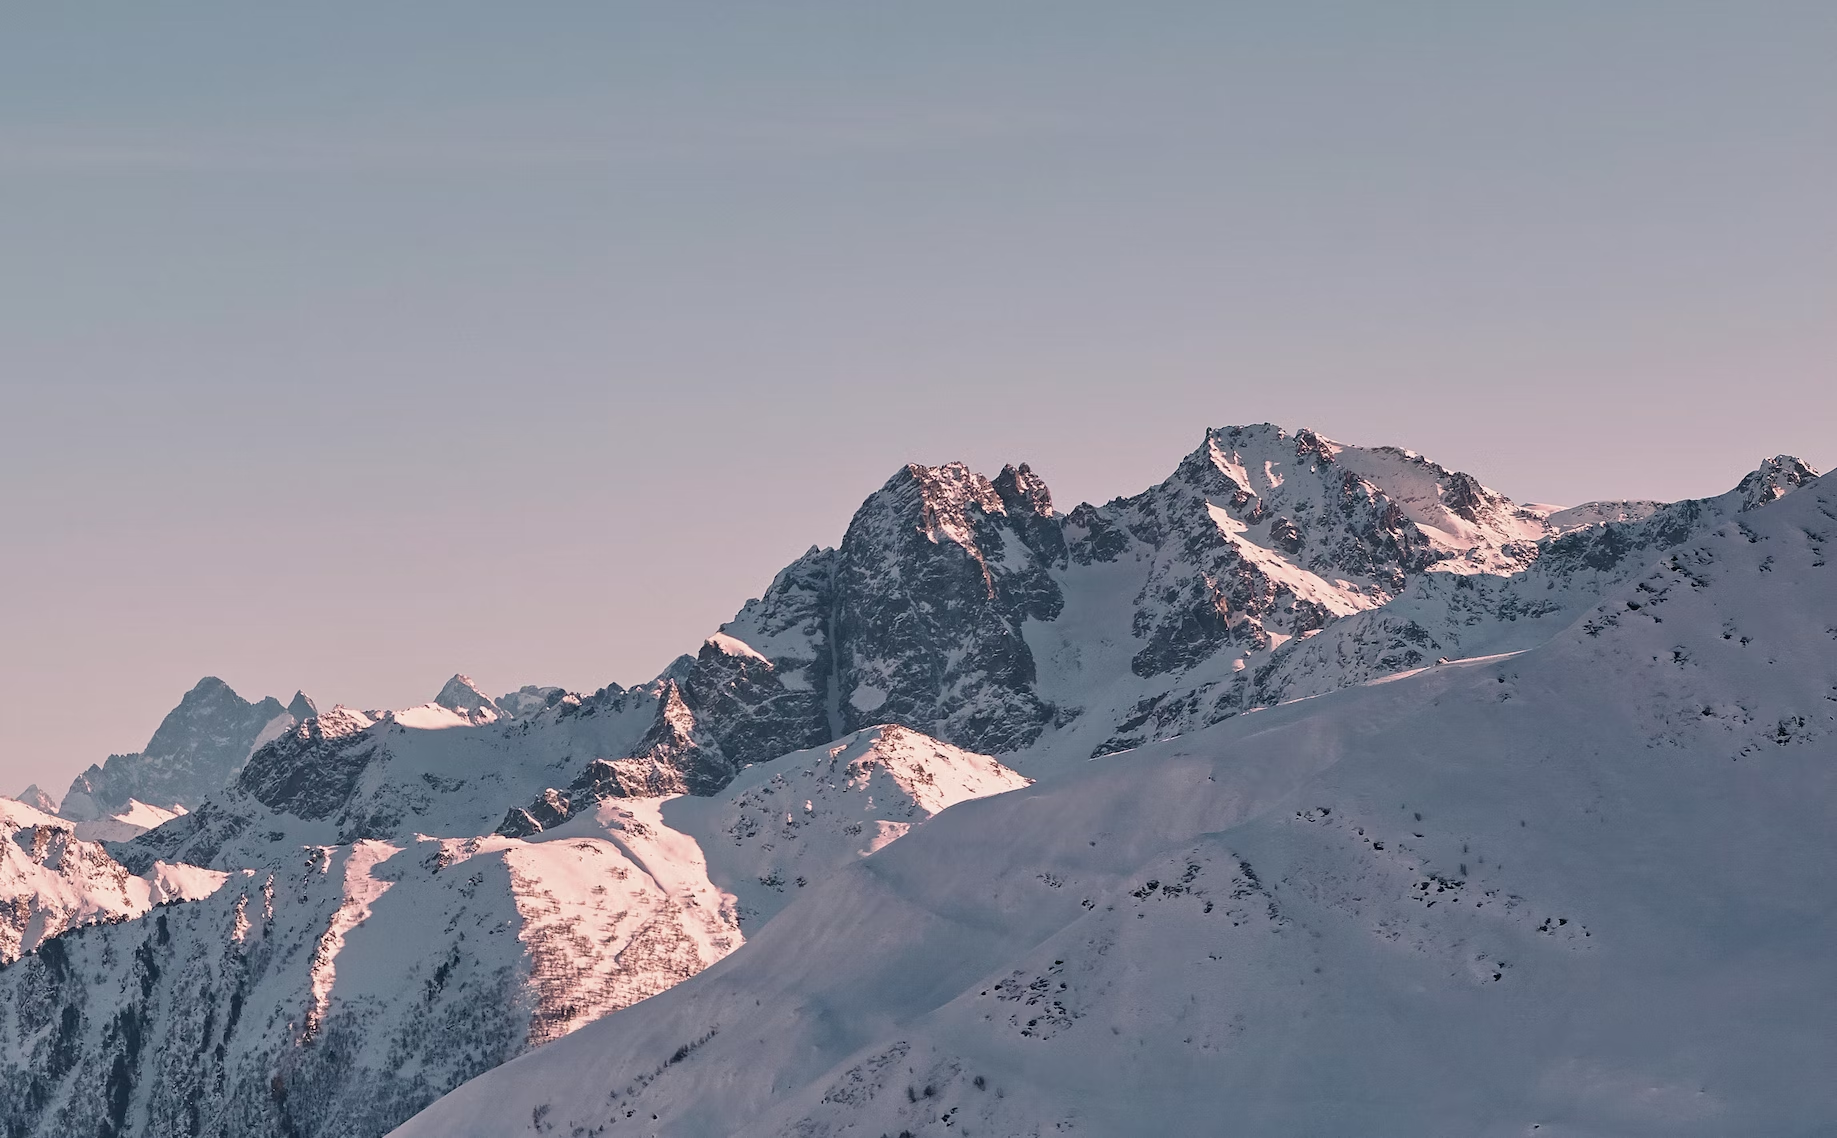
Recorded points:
(52, 880)
(127, 823)
(1578, 890)
(333, 989)
(781, 825)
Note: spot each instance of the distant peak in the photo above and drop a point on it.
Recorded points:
(529, 698)
(301, 707)
(461, 694)
(37, 799)
(208, 688)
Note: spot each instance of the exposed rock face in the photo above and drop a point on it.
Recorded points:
(312, 770)
(934, 579)
(1446, 609)
(916, 619)
(760, 686)
(1773, 480)
(198, 749)
(1259, 537)
(347, 775)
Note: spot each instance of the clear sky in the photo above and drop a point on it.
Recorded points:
(348, 346)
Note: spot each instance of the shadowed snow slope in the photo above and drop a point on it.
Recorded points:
(1584, 888)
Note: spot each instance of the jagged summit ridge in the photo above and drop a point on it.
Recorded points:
(1574, 883)
(970, 609)
(934, 609)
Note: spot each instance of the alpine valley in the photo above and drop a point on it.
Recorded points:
(1316, 790)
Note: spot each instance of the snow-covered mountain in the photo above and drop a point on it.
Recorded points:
(343, 986)
(37, 799)
(1578, 890)
(1267, 567)
(54, 877)
(198, 748)
(416, 895)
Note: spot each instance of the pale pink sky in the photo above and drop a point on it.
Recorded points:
(345, 350)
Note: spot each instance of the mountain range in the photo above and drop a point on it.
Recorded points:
(1168, 885)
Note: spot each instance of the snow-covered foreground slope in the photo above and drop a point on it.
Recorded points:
(52, 880)
(341, 986)
(1579, 890)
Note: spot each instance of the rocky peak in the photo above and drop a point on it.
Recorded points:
(949, 497)
(1773, 480)
(462, 695)
(311, 769)
(1308, 444)
(37, 799)
(1464, 495)
(933, 580)
(1028, 504)
(208, 707)
(301, 707)
(1022, 491)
